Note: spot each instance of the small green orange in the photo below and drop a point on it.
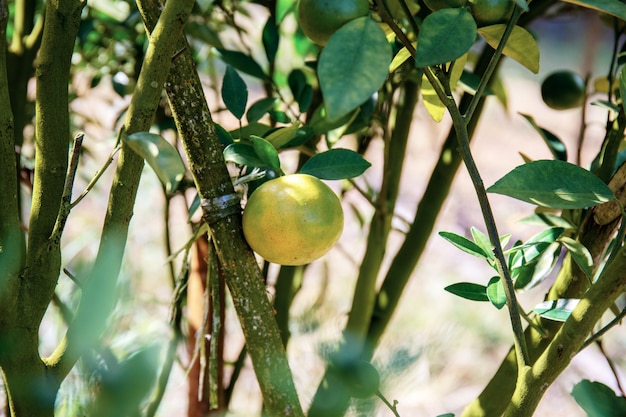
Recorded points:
(562, 90)
(319, 19)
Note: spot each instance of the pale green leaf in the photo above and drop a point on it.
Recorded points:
(521, 46)
(579, 253)
(162, 157)
(613, 7)
(495, 292)
(557, 310)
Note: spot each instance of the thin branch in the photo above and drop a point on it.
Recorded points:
(66, 206)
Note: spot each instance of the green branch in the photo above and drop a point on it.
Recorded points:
(12, 245)
(98, 296)
(569, 339)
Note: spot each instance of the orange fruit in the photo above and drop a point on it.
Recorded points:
(319, 19)
(293, 219)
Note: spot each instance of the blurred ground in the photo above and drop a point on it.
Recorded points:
(440, 350)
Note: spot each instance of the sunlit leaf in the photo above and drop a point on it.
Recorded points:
(579, 253)
(483, 241)
(162, 157)
(553, 184)
(495, 292)
(521, 46)
(613, 7)
(464, 244)
(282, 136)
(557, 310)
(266, 152)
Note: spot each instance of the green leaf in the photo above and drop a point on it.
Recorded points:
(445, 35)
(521, 46)
(266, 152)
(547, 219)
(483, 241)
(495, 293)
(234, 92)
(579, 253)
(557, 310)
(464, 244)
(556, 146)
(243, 63)
(553, 184)
(335, 164)
(162, 157)
(353, 65)
(282, 136)
(223, 135)
(538, 270)
(270, 39)
(243, 154)
(598, 400)
(613, 7)
(260, 108)
(300, 89)
(622, 86)
(436, 109)
(535, 246)
(469, 291)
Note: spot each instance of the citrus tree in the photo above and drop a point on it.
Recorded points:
(302, 92)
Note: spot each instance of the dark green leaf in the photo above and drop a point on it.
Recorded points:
(622, 86)
(598, 400)
(270, 39)
(162, 157)
(579, 253)
(556, 146)
(613, 7)
(266, 152)
(469, 291)
(322, 124)
(335, 164)
(297, 82)
(353, 65)
(444, 36)
(553, 184)
(495, 293)
(223, 135)
(521, 46)
(557, 310)
(234, 92)
(260, 108)
(464, 244)
(243, 63)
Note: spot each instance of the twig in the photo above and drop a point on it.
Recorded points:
(102, 170)
(66, 206)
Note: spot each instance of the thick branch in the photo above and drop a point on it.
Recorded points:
(98, 293)
(239, 265)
